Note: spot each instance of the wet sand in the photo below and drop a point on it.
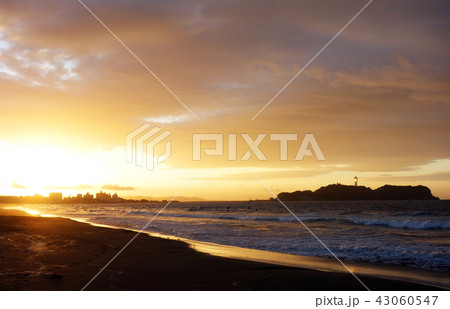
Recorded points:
(44, 253)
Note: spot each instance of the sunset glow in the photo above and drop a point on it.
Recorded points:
(375, 100)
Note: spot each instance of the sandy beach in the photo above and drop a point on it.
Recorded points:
(46, 253)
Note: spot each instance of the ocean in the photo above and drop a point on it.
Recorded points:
(408, 233)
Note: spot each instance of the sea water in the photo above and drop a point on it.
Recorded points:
(408, 233)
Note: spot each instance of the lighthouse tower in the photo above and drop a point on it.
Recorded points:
(356, 181)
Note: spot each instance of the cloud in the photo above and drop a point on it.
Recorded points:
(4, 44)
(168, 119)
(264, 66)
(390, 72)
(443, 176)
(232, 86)
(116, 187)
(36, 66)
(395, 72)
(78, 187)
(87, 187)
(16, 185)
(61, 187)
(295, 173)
(84, 187)
(376, 99)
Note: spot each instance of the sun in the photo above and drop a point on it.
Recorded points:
(40, 168)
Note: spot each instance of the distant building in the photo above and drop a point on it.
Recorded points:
(88, 196)
(55, 197)
(38, 198)
(102, 196)
(79, 196)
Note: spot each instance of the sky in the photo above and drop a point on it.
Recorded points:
(376, 99)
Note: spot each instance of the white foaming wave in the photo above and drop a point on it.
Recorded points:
(404, 224)
(277, 231)
(437, 259)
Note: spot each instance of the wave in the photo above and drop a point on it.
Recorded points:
(405, 224)
(413, 214)
(410, 236)
(218, 216)
(437, 259)
(398, 223)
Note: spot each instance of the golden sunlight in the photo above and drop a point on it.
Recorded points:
(44, 168)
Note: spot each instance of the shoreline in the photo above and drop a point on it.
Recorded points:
(378, 270)
(315, 267)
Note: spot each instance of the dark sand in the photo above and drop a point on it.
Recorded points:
(38, 253)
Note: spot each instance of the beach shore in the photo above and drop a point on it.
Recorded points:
(49, 253)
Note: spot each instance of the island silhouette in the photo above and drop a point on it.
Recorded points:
(339, 192)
